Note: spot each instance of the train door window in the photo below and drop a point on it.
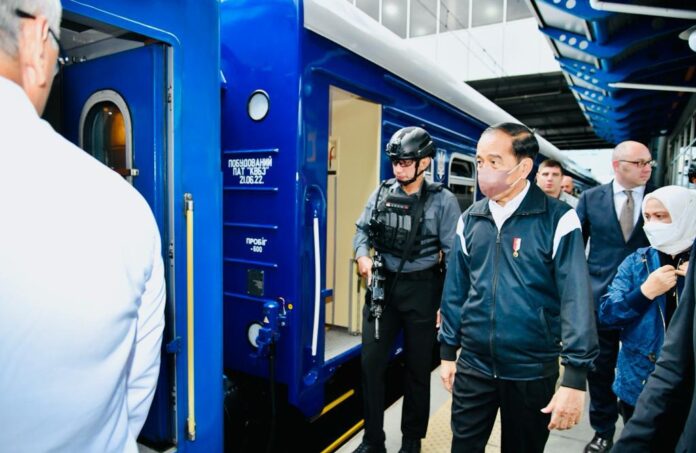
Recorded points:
(106, 132)
(462, 179)
(353, 164)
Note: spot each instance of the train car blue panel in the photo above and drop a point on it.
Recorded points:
(135, 77)
(176, 151)
(264, 191)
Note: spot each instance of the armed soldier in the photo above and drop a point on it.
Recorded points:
(410, 224)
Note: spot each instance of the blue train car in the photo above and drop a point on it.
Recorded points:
(141, 93)
(255, 131)
(312, 92)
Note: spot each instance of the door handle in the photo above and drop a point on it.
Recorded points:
(126, 171)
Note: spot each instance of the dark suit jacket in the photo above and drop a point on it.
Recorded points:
(607, 246)
(665, 415)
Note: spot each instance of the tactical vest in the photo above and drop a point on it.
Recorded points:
(392, 221)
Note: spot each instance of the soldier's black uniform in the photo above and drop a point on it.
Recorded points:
(413, 302)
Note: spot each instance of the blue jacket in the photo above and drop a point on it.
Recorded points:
(665, 416)
(642, 322)
(514, 313)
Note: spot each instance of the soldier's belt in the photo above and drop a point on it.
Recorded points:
(425, 274)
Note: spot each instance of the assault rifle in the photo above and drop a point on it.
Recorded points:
(377, 291)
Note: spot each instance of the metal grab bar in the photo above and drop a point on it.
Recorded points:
(191, 420)
(351, 263)
(317, 286)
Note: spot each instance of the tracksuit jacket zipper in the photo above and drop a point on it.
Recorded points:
(495, 290)
(495, 285)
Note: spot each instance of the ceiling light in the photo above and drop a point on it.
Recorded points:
(690, 35)
(391, 9)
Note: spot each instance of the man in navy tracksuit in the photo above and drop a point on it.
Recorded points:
(516, 296)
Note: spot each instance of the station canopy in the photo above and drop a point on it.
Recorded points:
(627, 63)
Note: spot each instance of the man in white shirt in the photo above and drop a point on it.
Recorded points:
(82, 288)
(613, 238)
(549, 177)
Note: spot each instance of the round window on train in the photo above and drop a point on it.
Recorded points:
(258, 105)
(105, 134)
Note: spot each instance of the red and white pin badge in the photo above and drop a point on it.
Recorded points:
(516, 244)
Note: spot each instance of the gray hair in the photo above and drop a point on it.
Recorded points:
(9, 21)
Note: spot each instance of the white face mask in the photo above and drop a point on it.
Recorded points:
(665, 237)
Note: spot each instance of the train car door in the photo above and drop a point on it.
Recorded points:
(352, 175)
(114, 108)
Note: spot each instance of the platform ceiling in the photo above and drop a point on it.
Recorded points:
(545, 103)
(597, 50)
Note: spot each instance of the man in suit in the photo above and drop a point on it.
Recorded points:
(611, 220)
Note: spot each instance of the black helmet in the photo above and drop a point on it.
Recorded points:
(410, 143)
(692, 171)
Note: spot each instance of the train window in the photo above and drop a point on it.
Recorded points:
(463, 168)
(462, 179)
(464, 194)
(105, 132)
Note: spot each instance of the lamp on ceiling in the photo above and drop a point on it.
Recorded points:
(689, 35)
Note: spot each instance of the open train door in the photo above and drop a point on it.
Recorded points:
(115, 109)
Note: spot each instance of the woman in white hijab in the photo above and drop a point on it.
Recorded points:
(645, 292)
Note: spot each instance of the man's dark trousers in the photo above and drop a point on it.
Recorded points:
(604, 409)
(475, 402)
(413, 307)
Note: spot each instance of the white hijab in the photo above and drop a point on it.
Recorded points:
(677, 236)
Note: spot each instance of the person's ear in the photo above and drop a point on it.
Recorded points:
(425, 163)
(527, 166)
(34, 57)
(615, 165)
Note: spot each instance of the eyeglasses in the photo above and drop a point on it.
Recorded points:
(62, 57)
(640, 163)
(403, 162)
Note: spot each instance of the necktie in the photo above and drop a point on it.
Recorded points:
(626, 217)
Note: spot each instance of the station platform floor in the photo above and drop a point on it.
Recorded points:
(439, 437)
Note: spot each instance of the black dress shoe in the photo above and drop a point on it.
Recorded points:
(410, 446)
(599, 445)
(365, 447)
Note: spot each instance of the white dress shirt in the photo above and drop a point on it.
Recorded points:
(82, 294)
(620, 199)
(568, 198)
(502, 213)
(566, 224)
